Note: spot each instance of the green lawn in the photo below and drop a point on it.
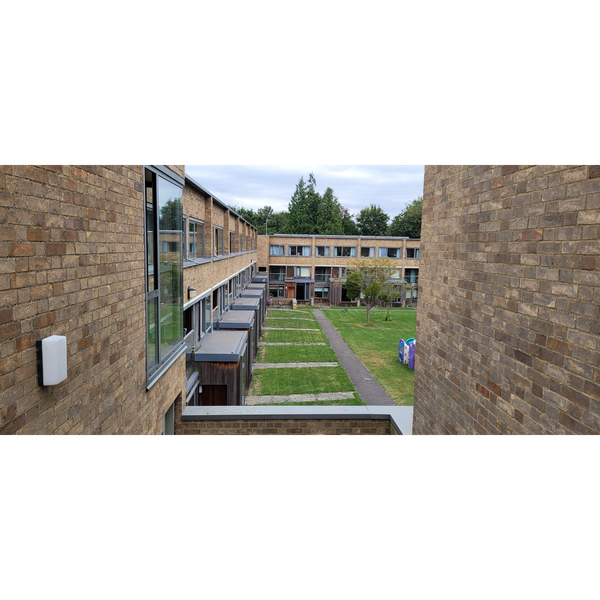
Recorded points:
(288, 354)
(283, 382)
(293, 336)
(302, 323)
(356, 401)
(377, 346)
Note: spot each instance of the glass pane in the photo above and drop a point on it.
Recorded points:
(193, 240)
(151, 318)
(171, 265)
(207, 314)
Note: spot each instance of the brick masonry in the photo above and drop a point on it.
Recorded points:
(72, 264)
(286, 427)
(509, 310)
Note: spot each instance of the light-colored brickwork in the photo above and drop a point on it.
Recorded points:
(72, 264)
(508, 332)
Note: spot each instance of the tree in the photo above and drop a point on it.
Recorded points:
(329, 215)
(348, 223)
(299, 219)
(367, 277)
(372, 221)
(408, 222)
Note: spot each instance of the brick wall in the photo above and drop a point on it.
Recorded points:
(286, 427)
(509, 315)
(72, 264)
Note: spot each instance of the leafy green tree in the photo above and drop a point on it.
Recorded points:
(372, 220)
(348, 223)
(408, 222)
(367, 277)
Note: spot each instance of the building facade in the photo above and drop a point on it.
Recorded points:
(508, 335)
(311, 269)
(135, 266)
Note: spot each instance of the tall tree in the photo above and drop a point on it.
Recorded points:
(348, 223)
(372, 220)
(408, 222)
(329, 216)
(299, 220)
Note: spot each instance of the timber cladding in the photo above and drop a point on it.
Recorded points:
(508, 326)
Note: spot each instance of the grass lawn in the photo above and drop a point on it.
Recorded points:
(288, 354)
(283, 382)
(356, 401)
(377, 346)
(293, 336)
(302, 323)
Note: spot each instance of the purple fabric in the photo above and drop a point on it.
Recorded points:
(411, 355)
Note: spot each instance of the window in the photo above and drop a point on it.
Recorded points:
(276, 273)
(276, 250)
(298, 250)
(321, 292)
(164, 269)
(367, 252)
(218, 243)
(232, 242)
(412, 253)
(390, 252)
(302, 271)
(345, 250)
(195, 241)
(276, 291)
(411, 275)
(262, 269)
(321, 273)
(323, 250)
(395, 274)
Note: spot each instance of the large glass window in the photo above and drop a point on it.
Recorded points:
(412, 253)
(302, 271)
(164, 269)
(218, 244)
(367, 252)
(345, 251)
(323, 250)
(195, 241)
(299, 250)
(276, 250)
(276, 273)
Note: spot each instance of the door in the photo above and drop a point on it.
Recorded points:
(300, 291)
(214, 395)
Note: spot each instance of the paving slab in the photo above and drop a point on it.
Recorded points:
(367, 387)
(290, 328)
(254, 400)
(292, 365)
(292, 343)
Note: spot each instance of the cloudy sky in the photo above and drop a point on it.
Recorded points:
(391, 187)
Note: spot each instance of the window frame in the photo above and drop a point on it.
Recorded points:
(325, 255)
(163, 362)
(281, 249)
(370, 249)
(342, 255)
(216, 238)
(415, 252)
(296, 246)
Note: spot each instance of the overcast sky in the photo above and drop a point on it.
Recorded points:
(391, 187)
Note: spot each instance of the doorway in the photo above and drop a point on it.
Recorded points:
(300, 291)
(214, 395)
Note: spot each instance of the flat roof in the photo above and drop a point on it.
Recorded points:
(221, 346)
(247, 304)
(239, 319)
(251, 293)
(339, 237)
(256, 286)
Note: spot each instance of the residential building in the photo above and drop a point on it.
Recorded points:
(312, 269)
(135, 266)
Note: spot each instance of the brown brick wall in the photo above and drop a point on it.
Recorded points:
(286, 427)
(72, 264)
(509, 309)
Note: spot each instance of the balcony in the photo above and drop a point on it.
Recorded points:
(276, 277)
(322, 277)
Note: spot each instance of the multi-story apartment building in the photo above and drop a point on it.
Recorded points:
(135, 266)
(312, 268)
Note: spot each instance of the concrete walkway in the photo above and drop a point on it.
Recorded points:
(290, 328)
(367, 387)
(292, 343)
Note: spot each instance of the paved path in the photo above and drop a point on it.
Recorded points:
(367, 387)
(294, 365)
(290, 317)
(254, 400)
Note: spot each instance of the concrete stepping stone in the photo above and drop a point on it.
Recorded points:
(300, 365)
(254, 400)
